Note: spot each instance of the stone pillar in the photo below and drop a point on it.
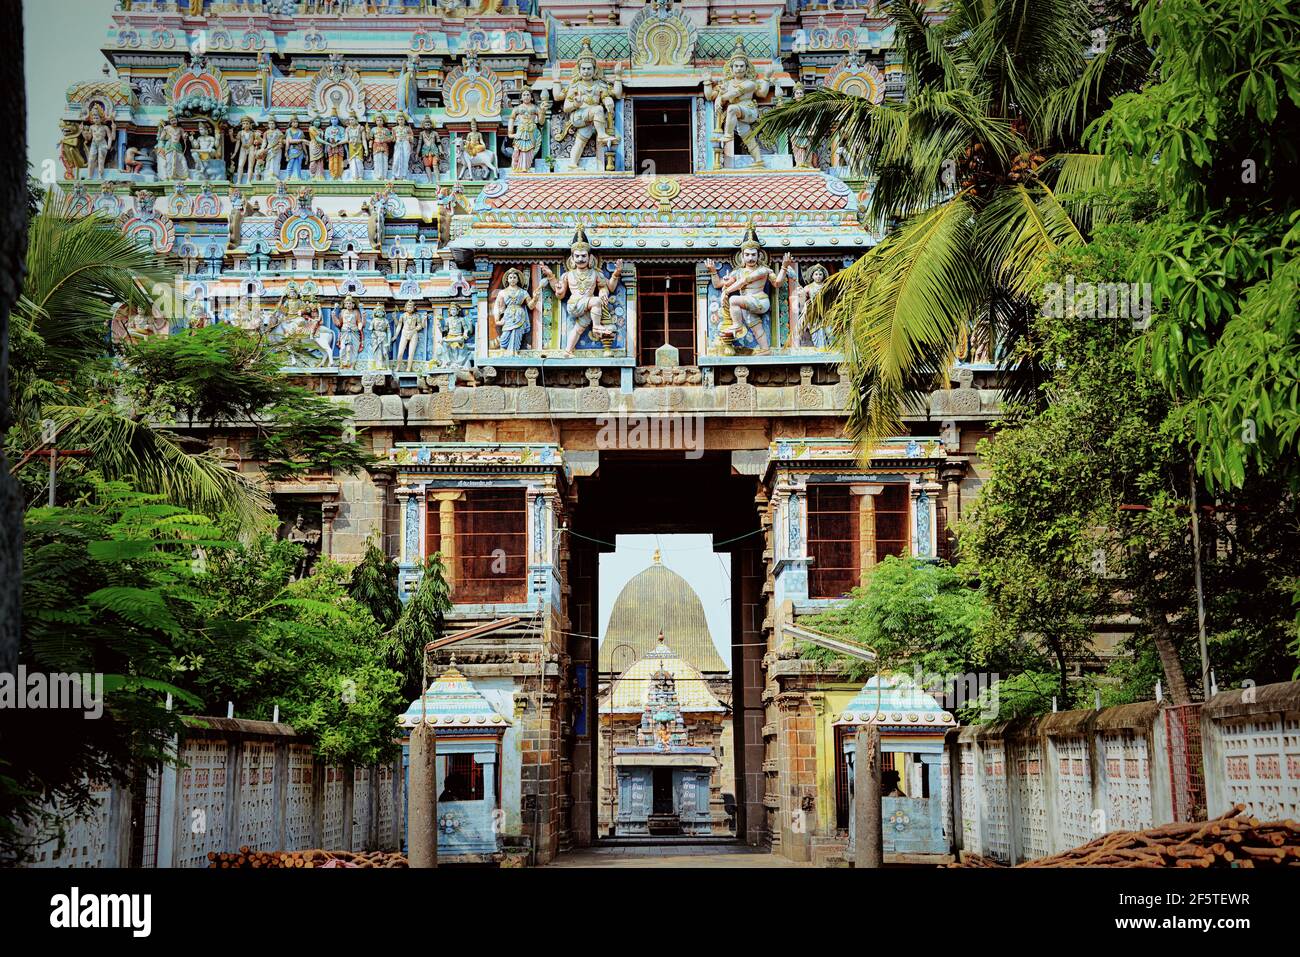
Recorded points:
(329, 510)
(422, 828)
(924, 519)
(410, 551)
(951, 475)
(447, 532)
(866, 526)
(797, 766)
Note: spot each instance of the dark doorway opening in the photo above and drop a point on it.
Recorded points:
(722, 504)
(666, 304)
(662, 136)
(663, 796)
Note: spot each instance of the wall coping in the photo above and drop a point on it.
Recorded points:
(1283, 696)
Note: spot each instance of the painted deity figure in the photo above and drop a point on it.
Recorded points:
(429, 151)
(287, 311)
(295, 149)
(381, 141)
(801, 146)
(235, 218)
(410, 324)
(735, 104)
(476, 154)
(197, 316)
(99, 137)
(358, 147)
(316, 149)
(586, 292)
(336, 147)
(141, 326)
(588, 102)
(203, 147)
(71, 149)
(454, 331)
(403, 144)
(245, 317)
(525, 132)
(311, 323)
(246, 141)
(808, 293)
(745, 300)
(170, 150)
(378, 339)
(351, 333)
(273, 141)
(513, 310)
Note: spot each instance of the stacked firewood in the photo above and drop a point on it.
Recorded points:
(1232, 839)
(248, 858)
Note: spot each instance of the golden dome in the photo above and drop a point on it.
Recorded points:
(653, 601)
(631, 687)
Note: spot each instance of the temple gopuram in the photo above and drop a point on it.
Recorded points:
(540, 252)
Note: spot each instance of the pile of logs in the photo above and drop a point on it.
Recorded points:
(1229, 840)
(313, 858)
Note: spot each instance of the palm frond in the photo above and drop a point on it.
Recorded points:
(78, 270)
(1019, 229)
(896, 311)
(152, 459)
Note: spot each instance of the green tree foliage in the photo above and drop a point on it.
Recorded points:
(161, 600)
(374, 584)
(107, 589)
(422, 621)
(1215, 144)
(912, 614)
(1084, 517)
(1216, 141)
(965, 167)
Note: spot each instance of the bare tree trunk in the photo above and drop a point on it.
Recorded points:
(13, 251)
(1170, 663)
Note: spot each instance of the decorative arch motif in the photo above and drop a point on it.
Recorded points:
(79, 203)
(147, 226)
(107, 201)
(856, 79)
(198, 79)
(662, 37)
(337, 90)
(207, 204)
(280, 201)
(472, 91)
(301, 229)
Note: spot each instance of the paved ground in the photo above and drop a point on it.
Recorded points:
(668, 856)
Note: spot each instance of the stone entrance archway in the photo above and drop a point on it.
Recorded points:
(667, 493)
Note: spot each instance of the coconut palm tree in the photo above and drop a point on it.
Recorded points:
(967, 179)
(80, 271)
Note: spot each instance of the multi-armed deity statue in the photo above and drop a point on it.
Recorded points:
(745, 299)
(735, 105)
(585, 291)
(588, 101)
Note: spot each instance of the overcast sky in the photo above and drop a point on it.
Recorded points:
(690, 556)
